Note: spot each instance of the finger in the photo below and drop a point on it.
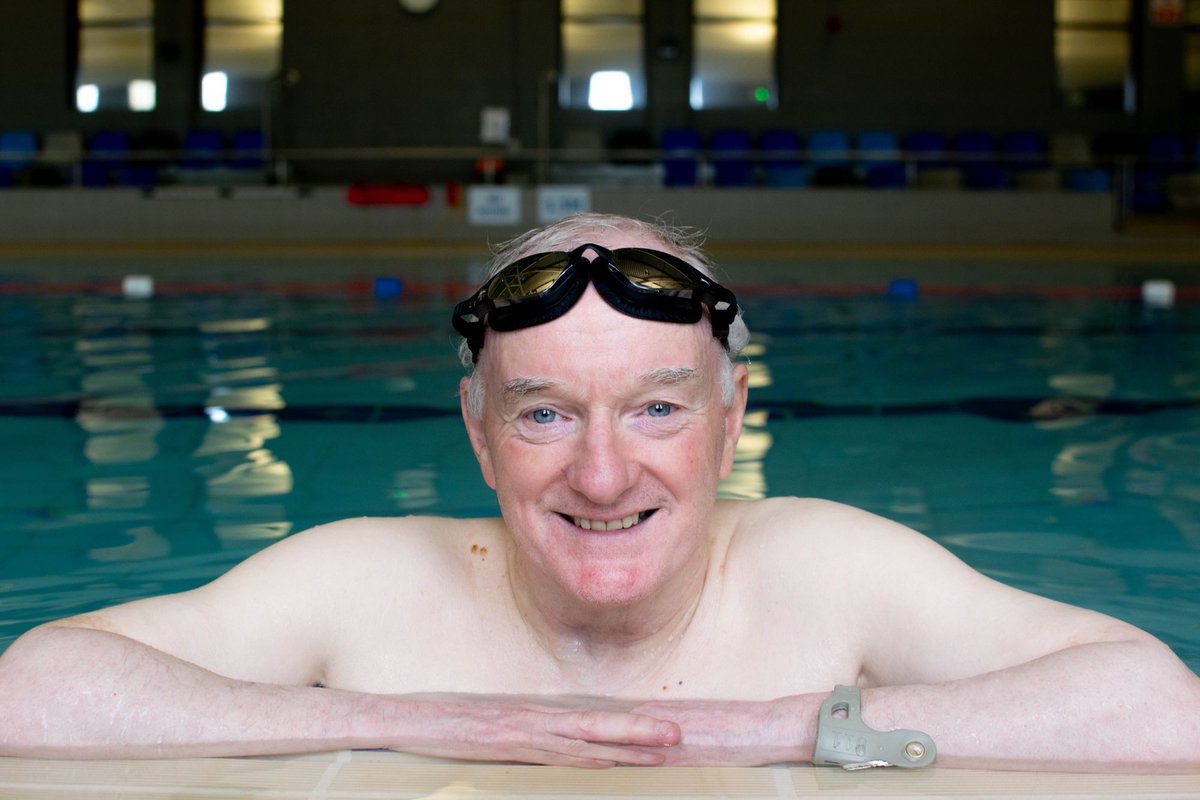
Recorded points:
(613, 728)
(524, 756)
(628, 758)
(611, 755)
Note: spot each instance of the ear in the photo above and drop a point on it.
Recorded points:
(477, 435)
(735, 415)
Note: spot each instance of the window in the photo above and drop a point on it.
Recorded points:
(242, 43)
(602, 65)
(116, 55)
(1091, 47)
(733, 54)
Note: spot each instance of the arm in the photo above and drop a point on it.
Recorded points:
(83, 693)
(1060, 712)
(999, 678)
(230, 668)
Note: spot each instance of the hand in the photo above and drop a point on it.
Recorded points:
(738, 733)
(535, 733)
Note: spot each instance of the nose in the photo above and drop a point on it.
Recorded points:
(602, 467)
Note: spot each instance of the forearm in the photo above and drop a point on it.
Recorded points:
(81, 693)
(1116, 706)
(1113, 706)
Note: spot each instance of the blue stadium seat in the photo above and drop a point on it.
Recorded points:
(976, 154)
(18, 149)
(1025, 150)
(927, 149)
(829, 148)
(681, 147)
(247, 150)
(829, 153)
(783, 166)
(879, 157)
(202, 150)
(1163, 156)
(731, 161)
(108, 155)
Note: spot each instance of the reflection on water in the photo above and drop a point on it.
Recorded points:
(145, 543)
(245, 482)
(1080, 469)
(121, 421)
(415, 489)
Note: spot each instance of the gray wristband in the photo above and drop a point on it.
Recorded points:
(847, 742)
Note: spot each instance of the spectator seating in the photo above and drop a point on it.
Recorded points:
(1183, 187)
(202, 150)
(107, 159)
(731, 158)
(1026, 156)
(1163, 156)
(879, 159)
(928, 151)
(975, 152)
(829, 154)
(1159, 172)
(682, 148)
(247, 150)
(783, 165)
(18, 151)
(1071, 155)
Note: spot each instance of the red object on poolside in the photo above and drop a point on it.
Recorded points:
(387, 194)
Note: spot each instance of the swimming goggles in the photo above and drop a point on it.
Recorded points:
(641, 283)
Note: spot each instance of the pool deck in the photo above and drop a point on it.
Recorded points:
(376, 775)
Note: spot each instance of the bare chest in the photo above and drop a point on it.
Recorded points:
(474, 648)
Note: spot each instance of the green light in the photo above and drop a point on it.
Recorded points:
(762, 94)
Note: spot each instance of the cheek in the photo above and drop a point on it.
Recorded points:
(522, 471)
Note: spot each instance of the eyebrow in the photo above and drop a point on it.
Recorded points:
(668, 376)
(661, 376)
(522, 387)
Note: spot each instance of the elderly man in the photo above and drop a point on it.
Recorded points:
(616, 613)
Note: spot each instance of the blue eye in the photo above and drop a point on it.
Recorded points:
(659, 409)
(544, 416)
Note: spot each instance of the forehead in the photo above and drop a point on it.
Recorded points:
(594, 344)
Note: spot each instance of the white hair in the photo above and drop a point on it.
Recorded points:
(575, 230)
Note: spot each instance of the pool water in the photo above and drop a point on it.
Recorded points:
(151, 444)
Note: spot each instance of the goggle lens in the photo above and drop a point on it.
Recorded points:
(641, 283)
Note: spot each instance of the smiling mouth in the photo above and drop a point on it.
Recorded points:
(611, 524)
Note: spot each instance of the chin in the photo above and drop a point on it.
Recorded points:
(612, 586)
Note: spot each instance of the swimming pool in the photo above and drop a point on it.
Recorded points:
(1051, 439)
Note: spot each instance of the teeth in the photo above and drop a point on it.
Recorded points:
(610, 525)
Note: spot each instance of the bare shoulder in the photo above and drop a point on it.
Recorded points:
(296, 596)
(371, 543)
(813, 526)
(908, 602)
(831, 544)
